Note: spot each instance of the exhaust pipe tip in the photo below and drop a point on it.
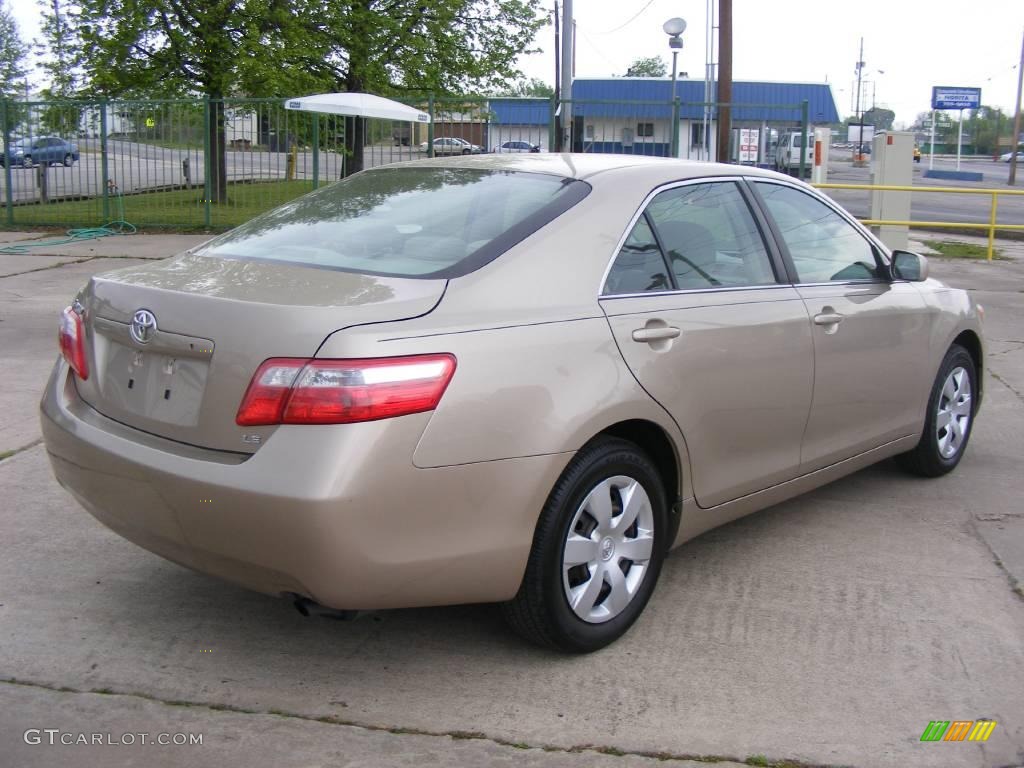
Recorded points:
(307, 606)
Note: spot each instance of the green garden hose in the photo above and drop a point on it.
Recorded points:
(116, 227)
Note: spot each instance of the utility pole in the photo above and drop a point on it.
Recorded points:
(858, 154)
(724, 79)
(557, 146)
(1015, 138)
(565, 133)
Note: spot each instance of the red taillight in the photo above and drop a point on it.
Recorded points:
(72, 342)
(295, 391)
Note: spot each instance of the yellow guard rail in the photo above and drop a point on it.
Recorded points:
(991, 226)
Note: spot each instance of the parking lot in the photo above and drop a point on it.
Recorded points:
(827, 630)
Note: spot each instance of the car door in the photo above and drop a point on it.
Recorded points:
(870, 333)
(695, 304)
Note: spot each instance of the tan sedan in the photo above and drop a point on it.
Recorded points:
(507, 378)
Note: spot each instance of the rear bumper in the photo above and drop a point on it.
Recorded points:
(335, 513)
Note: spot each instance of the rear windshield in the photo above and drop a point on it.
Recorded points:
(425, 222)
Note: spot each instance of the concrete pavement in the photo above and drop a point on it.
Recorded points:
(830, 629)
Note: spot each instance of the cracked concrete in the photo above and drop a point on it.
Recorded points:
(829, 629)
(271, 738)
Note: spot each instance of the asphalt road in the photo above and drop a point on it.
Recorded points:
(829, 629)
(134, 167)
(938, 206)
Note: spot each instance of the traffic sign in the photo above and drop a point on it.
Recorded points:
(944, 97)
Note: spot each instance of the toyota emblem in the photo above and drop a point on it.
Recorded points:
(143, 327)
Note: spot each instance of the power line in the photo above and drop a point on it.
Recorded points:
(632, 18)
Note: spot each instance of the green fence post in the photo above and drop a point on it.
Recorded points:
(803, 136)
(675, 127)
(8, 192)
(552, 117)
(104, 161)
(430, 126)
(316, 151)
(207, 163)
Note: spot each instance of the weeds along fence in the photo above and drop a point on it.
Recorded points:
(202, 164)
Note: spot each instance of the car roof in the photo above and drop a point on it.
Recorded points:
(587, 166)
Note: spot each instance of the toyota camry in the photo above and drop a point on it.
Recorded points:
(510, 378)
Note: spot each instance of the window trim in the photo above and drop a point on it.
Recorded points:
(881, 253)
(779, 269)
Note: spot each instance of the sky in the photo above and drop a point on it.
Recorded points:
(909, 46)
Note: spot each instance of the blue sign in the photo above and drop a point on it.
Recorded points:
(955, 98)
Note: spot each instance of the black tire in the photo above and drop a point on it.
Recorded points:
(540, 611)
(68, 161)
(926, 459)
(466, 151)
(26, 161)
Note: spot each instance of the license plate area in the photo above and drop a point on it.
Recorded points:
(156, 385)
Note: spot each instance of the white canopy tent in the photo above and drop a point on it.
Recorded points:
(357, 105)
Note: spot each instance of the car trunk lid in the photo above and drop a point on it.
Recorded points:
(204, 324)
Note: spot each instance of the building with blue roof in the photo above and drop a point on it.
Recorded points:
(634, 116)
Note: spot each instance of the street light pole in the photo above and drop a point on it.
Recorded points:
(674, 28)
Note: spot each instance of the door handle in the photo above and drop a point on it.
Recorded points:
(828, 318)
(656, 333)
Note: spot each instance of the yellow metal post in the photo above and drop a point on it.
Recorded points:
(992, 224)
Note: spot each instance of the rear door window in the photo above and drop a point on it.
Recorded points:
(422, 221)
(710, 236)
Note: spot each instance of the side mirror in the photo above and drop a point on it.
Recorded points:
(909, 266)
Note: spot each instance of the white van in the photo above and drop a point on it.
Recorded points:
(787, 151)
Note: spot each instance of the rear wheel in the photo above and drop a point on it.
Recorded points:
(950, 417)
(597, 550)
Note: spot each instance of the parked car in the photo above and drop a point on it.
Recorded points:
(452, 146)
(49, 150)
(516, 378)
(1008, 155)
(517, 146)
(787, 151)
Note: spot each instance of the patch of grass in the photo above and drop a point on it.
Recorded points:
(757, 760)
(178, 209)
(950, 249)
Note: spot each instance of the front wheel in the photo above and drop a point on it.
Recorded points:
(68, 161)
(27, 161)
(466, 151)
(951, 408)
(597, 551)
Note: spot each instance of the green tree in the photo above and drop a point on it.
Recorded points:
(13, 69)
(220, 48)
(407, 46)
(879, 117)
(648, 66)
(13, 54)
(534, 87)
